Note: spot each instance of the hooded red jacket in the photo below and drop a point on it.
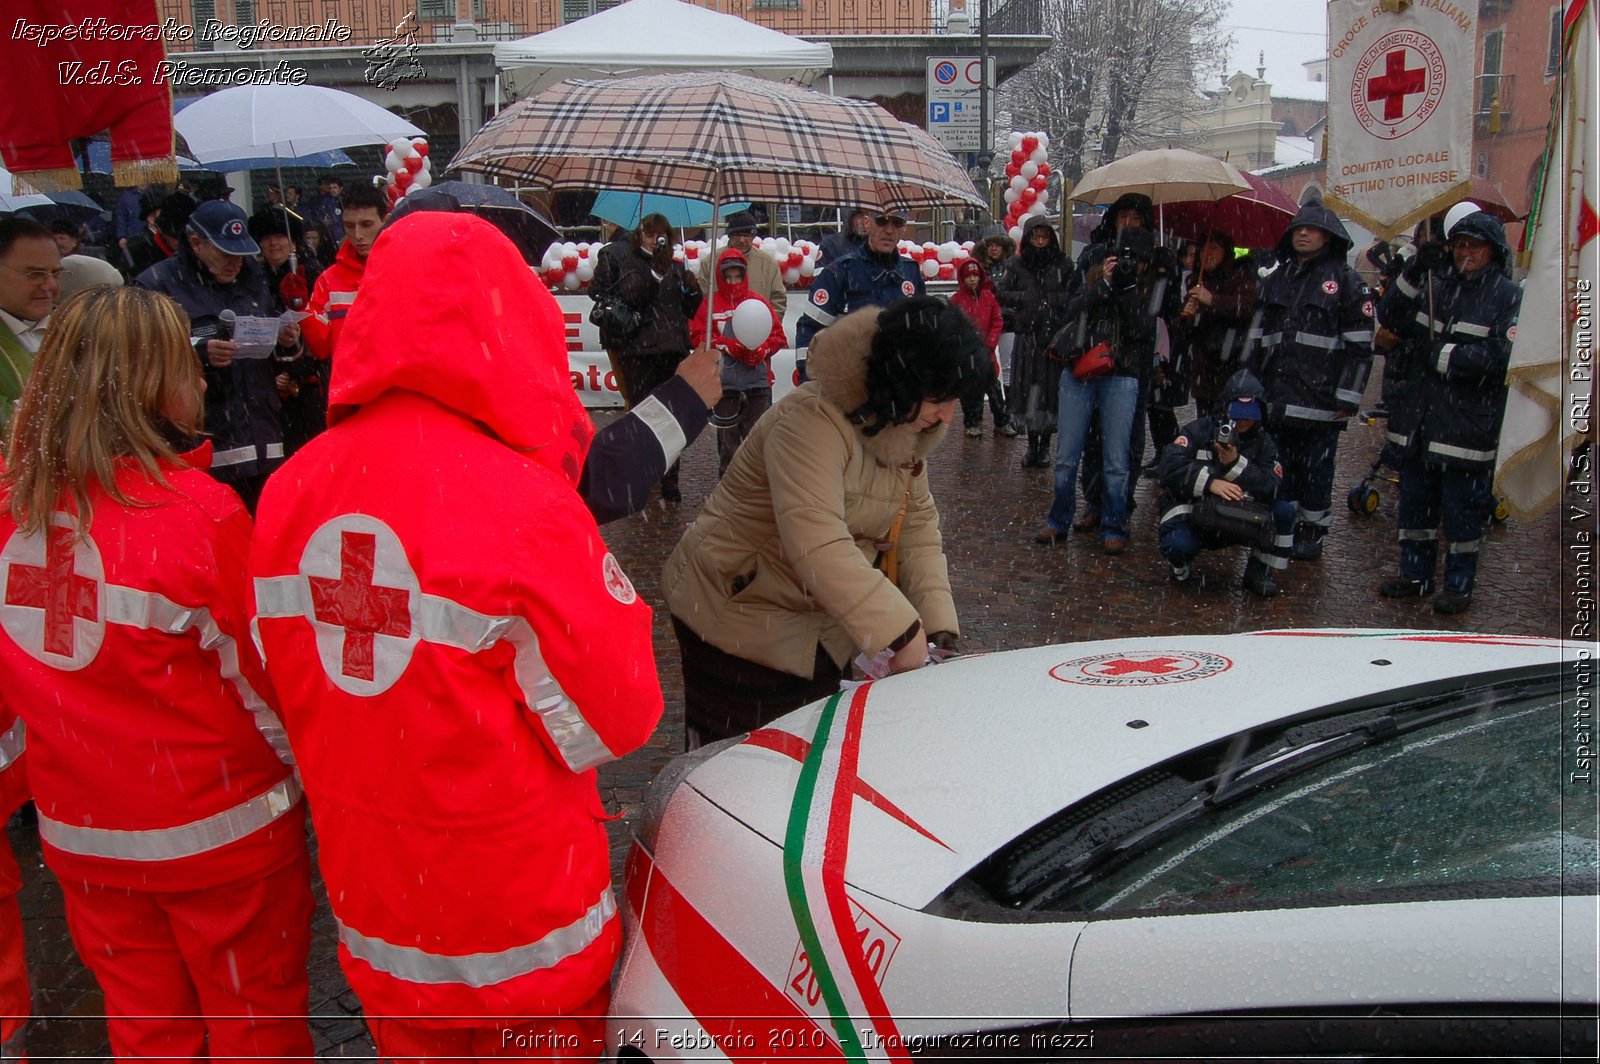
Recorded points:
(723, 303)
(982, 309)
(148, 718)
(454, 646)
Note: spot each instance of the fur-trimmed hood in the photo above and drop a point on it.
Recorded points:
(837, 366)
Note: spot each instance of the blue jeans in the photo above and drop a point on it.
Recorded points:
(1115, 398)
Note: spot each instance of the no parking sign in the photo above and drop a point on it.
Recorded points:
(954, 103)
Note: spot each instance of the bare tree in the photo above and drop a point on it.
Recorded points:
(1120, 74)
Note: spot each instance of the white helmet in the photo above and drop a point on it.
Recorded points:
(1458, 212)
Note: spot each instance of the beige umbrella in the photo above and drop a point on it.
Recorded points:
(1166, 175)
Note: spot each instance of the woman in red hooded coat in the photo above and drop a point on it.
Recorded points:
(746, 371)
(456, 651)
(975, 296)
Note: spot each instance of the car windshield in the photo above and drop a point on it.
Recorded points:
(1467, 803)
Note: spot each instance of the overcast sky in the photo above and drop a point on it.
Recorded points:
(1289, 31)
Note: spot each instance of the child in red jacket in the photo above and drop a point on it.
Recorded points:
(977, 301)
(745, 370)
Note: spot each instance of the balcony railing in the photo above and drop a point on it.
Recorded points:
(1491, 95)
(373, 21)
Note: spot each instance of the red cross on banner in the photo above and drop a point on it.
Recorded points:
(1124, 666)
(1396, 84)
(57, 589)
(363, 609)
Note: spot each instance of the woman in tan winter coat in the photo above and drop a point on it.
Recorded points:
(785, 576)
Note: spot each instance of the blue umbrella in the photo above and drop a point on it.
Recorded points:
(622, 208)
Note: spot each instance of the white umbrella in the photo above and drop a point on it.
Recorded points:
(10, 201)
(1166, 175)
(284, 120)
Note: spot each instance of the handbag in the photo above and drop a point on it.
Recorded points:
(1095, 362)
(616, 321)
(1243, 521)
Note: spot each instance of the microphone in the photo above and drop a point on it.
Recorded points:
(227, 318)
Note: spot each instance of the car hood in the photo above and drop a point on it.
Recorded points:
(952, 762)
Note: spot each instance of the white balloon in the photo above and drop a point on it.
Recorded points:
(945, 254)
(1030, 170)
(1044, 139)
(791, 275)
(1015, 141)
(1019, 183)
(1011, 195)
(1039, 156)
(930, 268)
(751, 323)
(585, 271)
(421, 179)
(401, 146)
(808, 266)
(394, 163)
(569, 248)
(1015, 234)
(570, 282)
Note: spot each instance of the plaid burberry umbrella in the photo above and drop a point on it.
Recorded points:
(714, 137)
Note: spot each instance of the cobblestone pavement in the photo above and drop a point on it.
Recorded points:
(1010, 593)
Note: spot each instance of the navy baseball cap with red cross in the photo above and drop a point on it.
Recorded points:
(225, 226)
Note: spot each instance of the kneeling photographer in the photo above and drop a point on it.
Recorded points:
(1219, 482)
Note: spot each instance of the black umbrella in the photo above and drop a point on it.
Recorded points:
(531, 231)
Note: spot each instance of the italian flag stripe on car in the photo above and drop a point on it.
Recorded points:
(814, 852)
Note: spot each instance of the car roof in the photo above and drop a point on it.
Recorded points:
(956, 760)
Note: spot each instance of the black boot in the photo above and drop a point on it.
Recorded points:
(1258, 578)
(1030, 458)
(1307, 542)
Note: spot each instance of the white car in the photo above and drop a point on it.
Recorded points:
(1271, 843)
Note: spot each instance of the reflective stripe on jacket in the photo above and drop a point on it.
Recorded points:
(1311, 341)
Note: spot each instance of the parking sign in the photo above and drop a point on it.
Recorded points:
(954, 110)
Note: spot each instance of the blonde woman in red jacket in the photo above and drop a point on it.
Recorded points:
(168, 807)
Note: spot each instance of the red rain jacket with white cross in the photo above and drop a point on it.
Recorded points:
(150, 732)
(454, 647)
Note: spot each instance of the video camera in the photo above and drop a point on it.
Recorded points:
(1132, 247)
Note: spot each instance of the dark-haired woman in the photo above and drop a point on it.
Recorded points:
(1034, 293)
(784, 577)
(168, 806)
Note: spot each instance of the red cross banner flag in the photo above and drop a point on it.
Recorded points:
(1399, 110)
(77, 68)
(1552, 376)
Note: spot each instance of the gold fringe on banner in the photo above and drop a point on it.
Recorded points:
(136, 173)
(64, 179)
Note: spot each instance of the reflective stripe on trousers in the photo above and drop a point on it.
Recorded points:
(481, 969)
(12, 742)
(186, 840)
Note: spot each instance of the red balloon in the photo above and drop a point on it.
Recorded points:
(1019, 157)
(569, 263)
(1012, 169)
(1027, 196)
(1044, 169)
(947, 272)
(1039, 183)
(1029, 145)
(402, 179)
(413, 163)
(421, 149)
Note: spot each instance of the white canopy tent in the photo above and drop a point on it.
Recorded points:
(657, 37)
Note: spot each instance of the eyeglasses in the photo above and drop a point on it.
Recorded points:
(37, 276)
(889, 221)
